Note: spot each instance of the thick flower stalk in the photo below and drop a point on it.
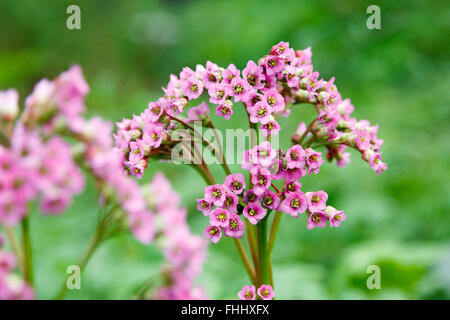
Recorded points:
(266, 90)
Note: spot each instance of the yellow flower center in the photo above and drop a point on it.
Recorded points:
(295, 203)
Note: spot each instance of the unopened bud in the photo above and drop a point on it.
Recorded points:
(9, 105)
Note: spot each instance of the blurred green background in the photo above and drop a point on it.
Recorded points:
(397, 76)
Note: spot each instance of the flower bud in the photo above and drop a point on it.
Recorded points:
(303, 83)
(329, 210)
(9, 105)
(323, 95)
(302, 95)
(296, 138)
(135, 134)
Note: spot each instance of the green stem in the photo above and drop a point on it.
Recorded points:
(245, 260)
(253, 250)
(224, 164)
(271, 242)
(308, 129)
(95, 242)
(309, 141)
(201, 171)
(4, 141)
(274, 230)
(102, 233)
(328, 143)
(15, 246)
(27, 250)
(263, 256)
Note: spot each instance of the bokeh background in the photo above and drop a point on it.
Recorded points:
(397, 76)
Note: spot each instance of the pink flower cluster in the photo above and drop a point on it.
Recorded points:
(265, 292)
(12, 287)
(39, 163)
(266, 165)
(183, 251)
(220, 204)
(268, 89)
(33, 168)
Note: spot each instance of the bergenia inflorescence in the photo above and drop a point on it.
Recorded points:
(266, 90)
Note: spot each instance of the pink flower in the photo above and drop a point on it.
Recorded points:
(219, 217)
(261, 181)
(230, 73)
(250, 196)
(70, 92)
(292, 186)
(260, 112)
(362, 140)
(231, 202)
(239, 89)
(291, 77)
(217, 93)
(215, 194)
(317, 219)
(211, 74)
(214, 233)
(204, 206)
(192, 87)
(8, 262)
(40, 101)
(335, 216)
(261, 156)
(317, 201)
(274, 100)
(270, 128)
(313, 160)
(154, 111)
(374, 159)
(247, 293)
(185, 74)
(225, 109)
(54, 202)
(266, 292)
(280, 48)
(138, 150)
(153, 135)
(199, 112)
(270, 200)
(254, 212)
(12, 287)
(142, 226)
(273, 64)
(235, 182)
(294, 203)
(294, 174)
(252, 74)
(235, 227)
(137, 168)
(295, 157)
